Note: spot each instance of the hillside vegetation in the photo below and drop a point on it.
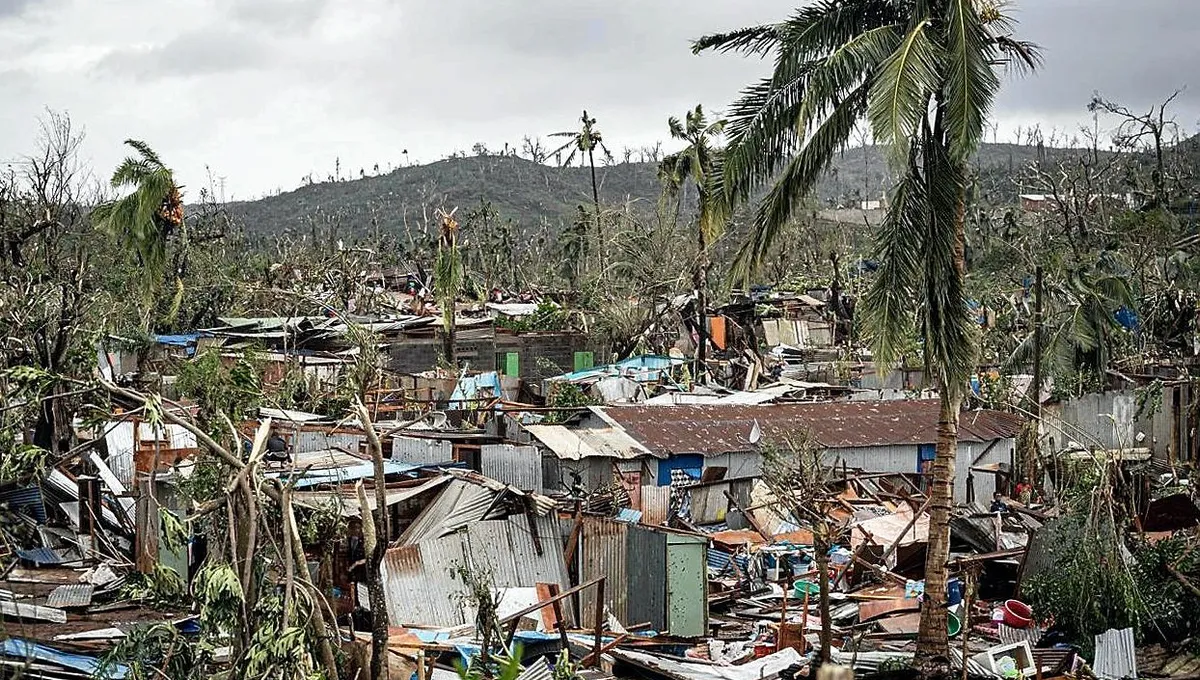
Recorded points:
(532, 194)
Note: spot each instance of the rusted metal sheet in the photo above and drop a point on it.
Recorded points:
(520, 466)
(422, 451)
(656, 505)
(603, 552)
(722, 428)
(421, 587)
(869, 611)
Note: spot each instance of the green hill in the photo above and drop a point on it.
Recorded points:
(533, 194)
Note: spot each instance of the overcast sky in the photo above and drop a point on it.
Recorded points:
(265, 91)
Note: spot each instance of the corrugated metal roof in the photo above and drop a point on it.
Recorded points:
(14, 648)
(722, 428)
(74, 595)
(591, 442)
(603, 552)
(347, 499)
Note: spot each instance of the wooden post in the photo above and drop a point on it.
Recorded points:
(968, 595)
(599, 622)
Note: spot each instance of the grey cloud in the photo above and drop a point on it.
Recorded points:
(275, 16)
(209, 51)
(1137, 53)
(12, 8)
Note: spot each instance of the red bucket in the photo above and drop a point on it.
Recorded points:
(1017, 614)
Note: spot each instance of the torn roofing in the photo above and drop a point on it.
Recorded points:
(713, 429)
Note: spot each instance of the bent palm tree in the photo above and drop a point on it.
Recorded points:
(700, 164)
(143, 219)
(923, 74)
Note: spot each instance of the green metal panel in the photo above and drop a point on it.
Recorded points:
(584, 360)
(687, 586)
(512, 365)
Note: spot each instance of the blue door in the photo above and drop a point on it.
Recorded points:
(689, 464)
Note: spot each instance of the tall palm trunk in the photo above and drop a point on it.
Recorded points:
(699, 279)
(596, 205)
(933, 639)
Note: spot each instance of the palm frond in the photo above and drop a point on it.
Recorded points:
(1024, 56)
(762, 135)
(844, 69)
(971, 83)
(148, 155)
(753, 40)
(888, 308)
(796, 181)
(902, 88)
(949, 332)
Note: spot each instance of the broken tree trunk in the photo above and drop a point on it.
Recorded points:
(378, 548)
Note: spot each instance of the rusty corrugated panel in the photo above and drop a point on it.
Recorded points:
(520, 466)
(656, 505)
(508, 549)
(722, 428)
(421, 587)
(602, 552)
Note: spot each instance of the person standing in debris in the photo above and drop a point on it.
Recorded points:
(998, 503)
(277, 449)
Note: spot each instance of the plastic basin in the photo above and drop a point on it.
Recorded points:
(799, 588)
(1017, 614)
(953, 624)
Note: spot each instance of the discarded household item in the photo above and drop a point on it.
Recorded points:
(954, 592)
(1008, 661)
(1115, 656)
(799, 588)
(1017, 614)
(953, 624)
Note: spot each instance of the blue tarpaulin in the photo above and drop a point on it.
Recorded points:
(467, 389)
(15, 648)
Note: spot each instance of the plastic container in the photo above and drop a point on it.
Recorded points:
(953, 624)
(1017, 614)
(954, 592)
(800, 587)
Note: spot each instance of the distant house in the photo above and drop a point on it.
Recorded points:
(652, 446)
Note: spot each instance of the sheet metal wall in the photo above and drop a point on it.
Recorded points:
(603, 551)
(520, 466)
(1086, 420)
(740, 464)
(709, 503)
(307, 441)
(904, 459)
(421, 451)
(119, 441)
(656, 504)
(647, 600)
(420, 585)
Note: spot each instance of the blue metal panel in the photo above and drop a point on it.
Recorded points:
(20, 649)
(690, 464)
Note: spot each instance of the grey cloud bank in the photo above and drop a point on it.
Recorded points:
(266, 91)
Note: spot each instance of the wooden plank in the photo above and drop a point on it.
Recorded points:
(904, 624)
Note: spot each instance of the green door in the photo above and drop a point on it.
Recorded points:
(687, 586)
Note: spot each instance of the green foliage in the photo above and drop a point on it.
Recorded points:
(220, 386)
(277, 651)
(567, 396)
(163, 587)
(218, 591)
(20, 463)
(505, 668)
(546, 318)
(159, 652)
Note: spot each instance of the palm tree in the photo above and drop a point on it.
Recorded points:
(923, 74)
(448, 279)
(144, 219)
(584, 142)
(700, 164)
